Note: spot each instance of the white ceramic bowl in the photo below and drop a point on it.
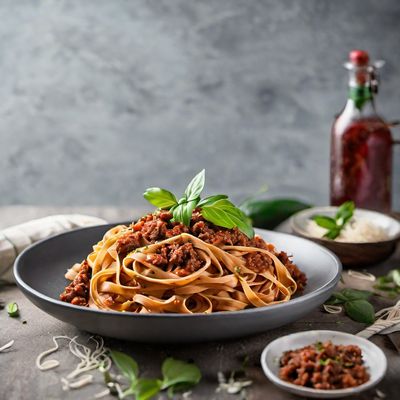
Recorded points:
(373, 356)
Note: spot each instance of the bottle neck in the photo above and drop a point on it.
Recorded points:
(361, 97)
(361, 90)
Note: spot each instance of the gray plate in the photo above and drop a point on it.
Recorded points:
(39, 272)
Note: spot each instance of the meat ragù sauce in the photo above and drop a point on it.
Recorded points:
(324, 366)
(182, 257)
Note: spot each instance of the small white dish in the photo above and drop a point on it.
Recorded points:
(373, 356)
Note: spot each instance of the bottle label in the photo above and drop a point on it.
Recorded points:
(360, 95)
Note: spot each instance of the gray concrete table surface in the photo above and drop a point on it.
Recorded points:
(20, 379)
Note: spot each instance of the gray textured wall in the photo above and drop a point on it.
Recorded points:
(100, 99)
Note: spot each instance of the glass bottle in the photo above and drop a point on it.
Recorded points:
(361, 142)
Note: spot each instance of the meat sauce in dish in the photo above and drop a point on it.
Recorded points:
(324, 366)
(158, 226)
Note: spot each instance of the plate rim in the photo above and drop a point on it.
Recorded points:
(218, 314)
(323, 393)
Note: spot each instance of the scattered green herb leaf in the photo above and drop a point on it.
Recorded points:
(126, 364)
(360, 310)
(146, 389)
(335, 225)
(355, 303)
(13, 310)
(178, 373)
(177, 376)
(389, 283)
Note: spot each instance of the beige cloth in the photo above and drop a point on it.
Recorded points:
(16, 238)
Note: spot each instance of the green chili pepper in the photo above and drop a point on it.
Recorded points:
(269, 214)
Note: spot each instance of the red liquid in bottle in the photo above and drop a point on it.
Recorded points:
(361, 145)
(361, 164)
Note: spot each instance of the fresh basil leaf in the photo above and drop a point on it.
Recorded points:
(332, 234)
(345, 212)
(355, 294)
(196, 186)
(335, 299)
(126, 364)
(324, 221)
(224, 213)
(332, 301)
(160, 198)
(360, 310)
(13, 310)
(183, 212)
(207, 201)
(179, 372)
(146, 389)
(188, 210)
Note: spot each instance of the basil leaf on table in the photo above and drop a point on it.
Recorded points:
(356, 294)
(178, 374)
(360, 310)
(195, 186)
(146, 389)
(355, 304)
(160, 198)
(13, 310)
(127, 365)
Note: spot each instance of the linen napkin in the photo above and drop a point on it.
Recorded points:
(16, 238)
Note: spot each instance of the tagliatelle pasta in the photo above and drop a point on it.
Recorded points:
(222, 283)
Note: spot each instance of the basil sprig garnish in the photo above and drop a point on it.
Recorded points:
(177, 376)
(355, 304)
(216, 209)
(335, 225)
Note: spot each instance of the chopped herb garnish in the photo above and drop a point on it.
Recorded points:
(335, 225)
(319, 346)
(325, 362)
(238, 270)
(216, 209)
(13, 310)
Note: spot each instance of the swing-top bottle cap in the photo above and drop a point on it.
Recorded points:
(359, 58)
